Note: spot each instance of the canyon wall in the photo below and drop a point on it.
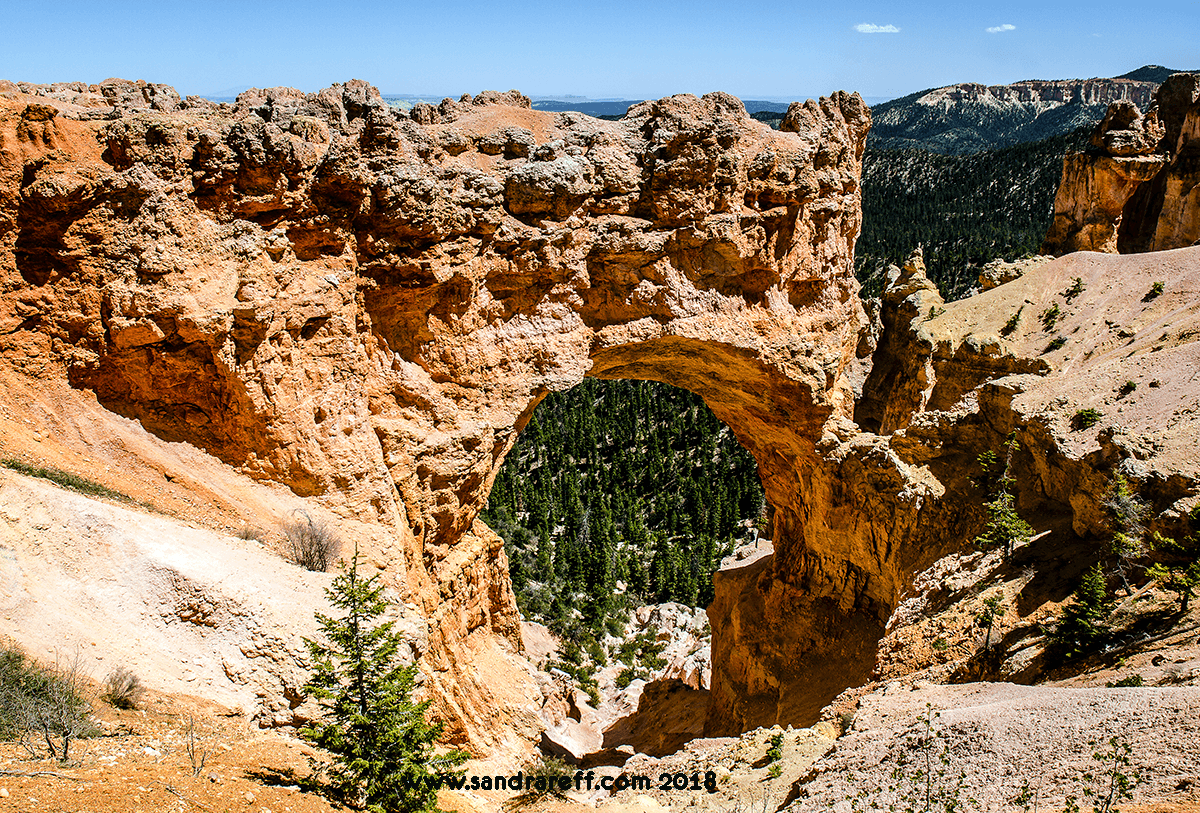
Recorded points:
(1136, 189)
(1044, 92)
(365, 305)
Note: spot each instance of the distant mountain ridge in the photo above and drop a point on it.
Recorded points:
(1151, 73)
(969, 117)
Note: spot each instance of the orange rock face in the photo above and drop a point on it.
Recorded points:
(1136, 190)
(365, 306)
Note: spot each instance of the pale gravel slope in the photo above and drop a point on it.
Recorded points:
(189, 610)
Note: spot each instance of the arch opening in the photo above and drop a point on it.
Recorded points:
(617, 503)
(622, 485)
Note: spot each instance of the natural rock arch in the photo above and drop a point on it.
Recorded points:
(366, 306)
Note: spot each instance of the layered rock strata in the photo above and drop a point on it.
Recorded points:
(365, 305)
(970, 117)
(1136, 188)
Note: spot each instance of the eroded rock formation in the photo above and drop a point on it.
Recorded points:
(365, 306)
(1136, 189)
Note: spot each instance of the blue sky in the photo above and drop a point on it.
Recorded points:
(623, 49)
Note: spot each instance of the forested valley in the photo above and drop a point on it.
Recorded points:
(618, 494)
(963, 210)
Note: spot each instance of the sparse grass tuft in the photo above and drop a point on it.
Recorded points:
(65, 479)
(250, 534)
(1075, 289)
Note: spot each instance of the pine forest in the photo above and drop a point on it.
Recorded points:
(617, 494)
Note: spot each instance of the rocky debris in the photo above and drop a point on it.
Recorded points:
(740, 766)
(1135, 190)
(998, 272)
(364, 306)
(1000, 737)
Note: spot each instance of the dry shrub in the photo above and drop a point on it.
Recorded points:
(122, 689)
(314, 545)
(43, 702)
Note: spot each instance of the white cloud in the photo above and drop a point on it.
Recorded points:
(996, 29)
(871, 28)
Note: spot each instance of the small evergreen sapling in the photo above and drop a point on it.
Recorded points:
(1126, 511)
(993, 608)
(1180, 572)
(1084, 622)
(1182, 580)
(382, 745)
(1010, 327)
(1085, 418)
(1049, 317)
(1005, 528)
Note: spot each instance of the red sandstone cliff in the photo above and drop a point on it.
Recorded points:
(1136, 189)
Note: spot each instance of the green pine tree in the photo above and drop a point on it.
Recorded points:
(1083, 626)
(1183, 580)
(1005, 528)
(381, 743)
